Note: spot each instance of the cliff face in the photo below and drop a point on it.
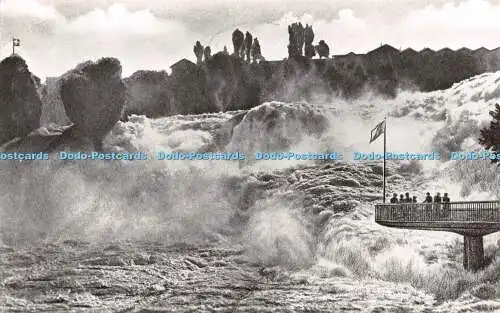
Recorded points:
(20, 103)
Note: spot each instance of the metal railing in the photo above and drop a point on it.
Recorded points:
(477, 211)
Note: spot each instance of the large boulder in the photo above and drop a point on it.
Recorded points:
(20, 103)
(94, 99)
(53, 111)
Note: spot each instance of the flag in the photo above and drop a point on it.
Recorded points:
(377, 131)
(16, 42)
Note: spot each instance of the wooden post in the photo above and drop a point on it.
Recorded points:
(473, 253)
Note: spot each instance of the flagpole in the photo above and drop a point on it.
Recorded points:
(383, 171)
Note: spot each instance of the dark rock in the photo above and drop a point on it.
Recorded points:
(93, 95)
(53, 111)
(20, 103)
(94, 98)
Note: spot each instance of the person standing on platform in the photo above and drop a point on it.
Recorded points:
(437, 205)
(407, 198)
(428, 198)
(428, 207)
(446, 205)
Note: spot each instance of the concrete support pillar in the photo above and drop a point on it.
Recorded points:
(473, 253)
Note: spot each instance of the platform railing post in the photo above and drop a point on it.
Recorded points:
(473, 253)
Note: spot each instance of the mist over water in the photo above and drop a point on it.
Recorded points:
(214, 202)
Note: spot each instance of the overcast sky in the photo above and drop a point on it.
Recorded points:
(153, 34)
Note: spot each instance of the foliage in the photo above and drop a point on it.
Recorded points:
(490, 136)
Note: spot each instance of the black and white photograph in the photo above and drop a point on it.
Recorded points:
(301, 156)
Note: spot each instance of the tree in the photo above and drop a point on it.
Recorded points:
(248, 45)
(256, 53)
(295, 39)
(207, 53)
(323, 49)
(238, 39)
(291, 42)
(490, 136)
(198, 52)
(300, 38)
(308, 34)
(309, 50)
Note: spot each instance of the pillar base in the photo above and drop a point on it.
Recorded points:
(473, 253)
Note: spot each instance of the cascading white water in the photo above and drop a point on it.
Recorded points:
(221, 201)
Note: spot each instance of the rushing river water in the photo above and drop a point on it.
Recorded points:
(247, 235)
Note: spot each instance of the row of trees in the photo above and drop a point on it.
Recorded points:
(200, 52)
(246, 47)
(301, 39)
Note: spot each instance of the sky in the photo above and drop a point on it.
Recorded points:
(56, 35)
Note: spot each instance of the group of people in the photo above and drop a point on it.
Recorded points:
(438, 205)
(403, 198)
(428, 198)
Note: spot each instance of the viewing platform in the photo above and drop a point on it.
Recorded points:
(471, 219)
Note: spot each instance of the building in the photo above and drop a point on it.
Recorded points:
(182, 67)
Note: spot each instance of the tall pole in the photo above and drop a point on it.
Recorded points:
(383, 171)
(13, 46)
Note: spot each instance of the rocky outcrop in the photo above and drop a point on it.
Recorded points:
(94, 98)
(53, 111)
(20, 103)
